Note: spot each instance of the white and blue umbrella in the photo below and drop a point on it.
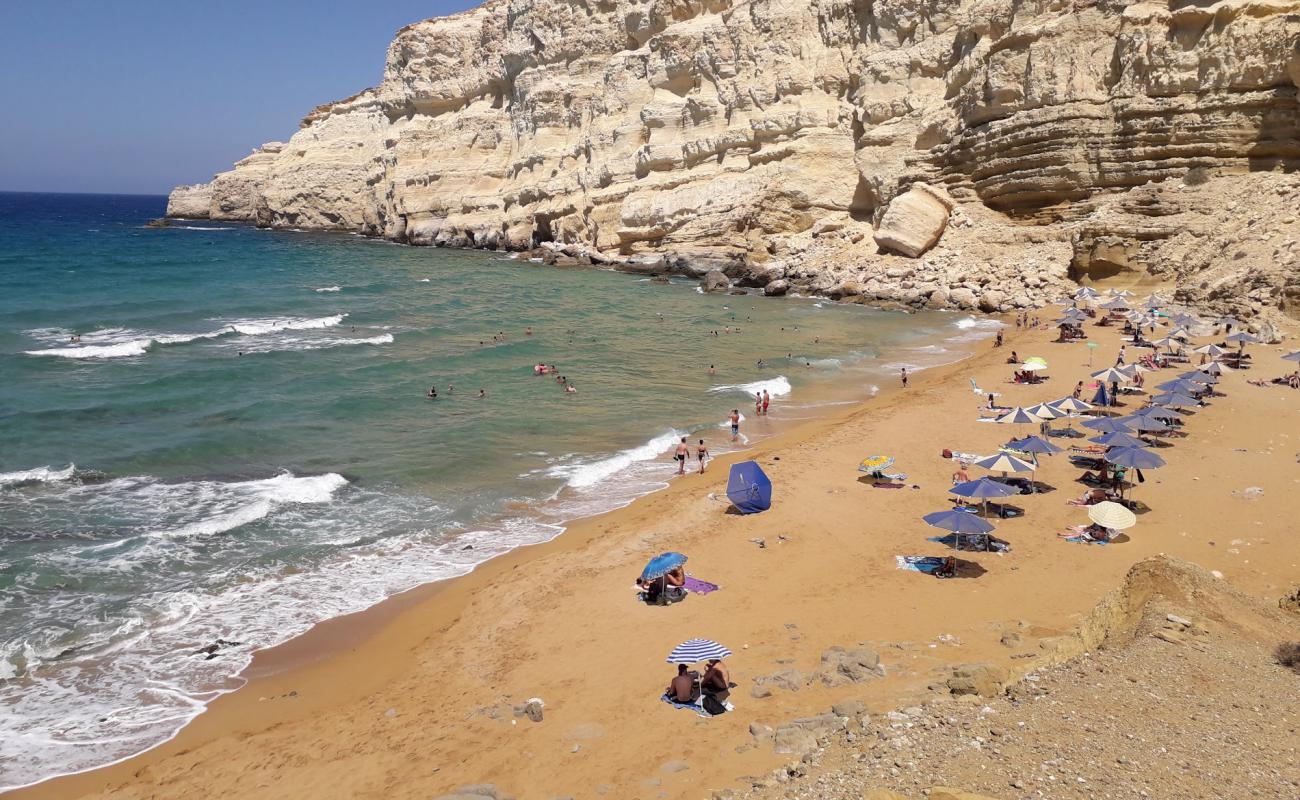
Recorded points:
(1019, 416)
(983, 488)
(1070, 405)
(1181, 385)
(1211, 350)
(1145, 423)
(1112, 375)
(1046, 411)
(1292, 356)
(1034, 444)
(1241, 338)
(1002, 462)
(1157, 412)
(696, 650)
(1214, 368)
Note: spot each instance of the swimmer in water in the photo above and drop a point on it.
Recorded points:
(570, 389)
(528, 331)
(432, 394)
(482, 394)
(711, 370)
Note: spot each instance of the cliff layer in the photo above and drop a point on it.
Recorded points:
(771, 136)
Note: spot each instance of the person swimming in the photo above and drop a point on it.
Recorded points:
(432, 394)
(482, 394)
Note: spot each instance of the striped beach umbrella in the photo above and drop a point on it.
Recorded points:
(982, 488)
(1215, 368)
(1211, 350)
(696, 650)
(1111, 375)
(1019, 416)
(1112, 515)
(1034, 444)
(1071, 405)
(1045, 411)
(1003, 462)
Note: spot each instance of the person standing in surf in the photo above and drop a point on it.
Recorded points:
(735, 424)
(904, 377)
(758, 404)
(680, 455)
(767, 400)
(702, 453)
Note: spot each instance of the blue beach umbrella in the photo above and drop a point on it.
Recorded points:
(1135, 457)
(1292, 356)
(1197, 376)
(1180, 385)
(1107, 424)
(696, 650)
(982, 489)
(1034, 444)
(1145, 423)
(1102, 397)
(957, 522)
(748, 487)
(1118, 439)
(661, 565)
(1158, 412)
(1176, 399)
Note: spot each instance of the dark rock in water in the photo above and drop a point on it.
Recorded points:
(161, 222)
(715, 281)
(659, 279)
(739, 292)
(777, 288)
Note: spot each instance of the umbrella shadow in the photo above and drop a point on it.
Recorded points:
(884, 483)
(1120, 538)
(732, 510)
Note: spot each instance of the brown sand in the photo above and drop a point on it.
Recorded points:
(422, 705)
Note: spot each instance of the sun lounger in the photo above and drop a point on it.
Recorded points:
(975, 389)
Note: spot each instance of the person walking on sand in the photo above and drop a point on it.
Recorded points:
(680, 454)
(735, 424)
(767, 400)
(702, 453)
(1120, 358)
(904, 373)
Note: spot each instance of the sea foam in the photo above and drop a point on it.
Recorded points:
(37, 475)
(776, 387)
(583, 475)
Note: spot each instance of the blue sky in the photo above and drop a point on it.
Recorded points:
(135, 97)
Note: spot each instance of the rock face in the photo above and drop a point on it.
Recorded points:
(914, 220)
(786, 129)
(190, 202)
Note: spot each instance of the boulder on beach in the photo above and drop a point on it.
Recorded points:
(715, 281)
(915, 220)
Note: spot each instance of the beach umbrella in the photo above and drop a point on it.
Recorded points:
(1107, 425)
(1111, 375)
(748, 487)
(1292, 356)
(1002, 462)
(957, 521)
(1019, 416)
(1034, 444)
(1176, 399)
(1086, 293)
(1241, 338)
(1154, 301)
(1214, 368)
(696, 650)
(1158, 412)
(1197, 376)
(876, 463)
(661, 565)
(1183, 319)
(1229, 321)
(1211, 350)
(1179, 333)
(1112, 515)
(1102, 397)
(1118, 439)
(1144, 423)
(1045, 412)
(1181, 385)
(1167, 342)
(982, 489)
(1132, 370)
(1122, 292)
(1135, 457)
(1070, 405)
(1033, 366)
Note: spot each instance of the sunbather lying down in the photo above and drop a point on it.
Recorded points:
(1090, 533)
(1092, 497)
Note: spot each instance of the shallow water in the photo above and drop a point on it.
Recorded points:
(239, 445)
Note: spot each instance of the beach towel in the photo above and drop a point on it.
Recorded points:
(697, 706)
(926, 564)
(697, 586)
(1076, 534)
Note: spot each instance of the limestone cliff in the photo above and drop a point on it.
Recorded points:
(771, 136)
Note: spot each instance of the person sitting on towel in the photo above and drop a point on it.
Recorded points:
(683, 688)
(948, 569)
(717, 681)
(1100, 476)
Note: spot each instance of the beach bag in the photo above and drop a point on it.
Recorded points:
(713, 705)
(947, 453)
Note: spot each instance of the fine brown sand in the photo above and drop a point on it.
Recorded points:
(419, 702)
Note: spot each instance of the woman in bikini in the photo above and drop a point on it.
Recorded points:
(702, 453)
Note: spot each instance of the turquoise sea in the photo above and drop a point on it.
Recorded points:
(214, 432)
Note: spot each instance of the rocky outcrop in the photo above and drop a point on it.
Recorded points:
(750, 132)
(190, 202)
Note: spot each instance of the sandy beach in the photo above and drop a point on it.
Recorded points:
(417, 697)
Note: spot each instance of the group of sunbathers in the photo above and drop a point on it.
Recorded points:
(688, 685)
(1292, 380)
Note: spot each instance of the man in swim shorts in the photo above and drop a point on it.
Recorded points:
(735, 424)
(683, 450)
(702, 453)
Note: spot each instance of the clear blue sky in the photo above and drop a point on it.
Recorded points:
(136, 96)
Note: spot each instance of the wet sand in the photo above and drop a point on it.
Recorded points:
(419, 701)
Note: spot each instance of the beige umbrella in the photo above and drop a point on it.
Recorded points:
(1112, 515)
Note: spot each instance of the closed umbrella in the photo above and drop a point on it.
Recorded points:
(1112, 515)
(696, 650)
